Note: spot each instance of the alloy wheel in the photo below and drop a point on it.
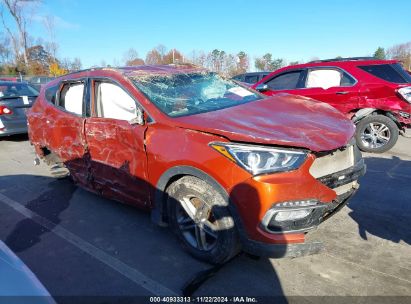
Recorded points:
(375, 135)
(197, 223)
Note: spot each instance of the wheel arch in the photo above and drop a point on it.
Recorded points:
(159, 211)
(365, 112)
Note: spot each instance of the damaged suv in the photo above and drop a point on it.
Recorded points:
(224, 167)
(375, 94)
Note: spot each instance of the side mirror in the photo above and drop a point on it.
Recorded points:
(262, 88)
(139, 119)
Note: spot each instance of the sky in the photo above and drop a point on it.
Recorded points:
(96, 30)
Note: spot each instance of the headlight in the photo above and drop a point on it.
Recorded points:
(405, 93)
(258, 160)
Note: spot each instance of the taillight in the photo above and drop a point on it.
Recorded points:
(405, 93)
(5, 110)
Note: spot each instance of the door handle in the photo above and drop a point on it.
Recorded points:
(342, 93)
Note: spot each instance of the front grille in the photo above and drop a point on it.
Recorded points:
(334, 162)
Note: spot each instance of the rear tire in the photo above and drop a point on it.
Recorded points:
(200, 218)
(376, 134)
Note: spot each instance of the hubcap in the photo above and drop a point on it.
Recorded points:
(375, 135)
(197, 223)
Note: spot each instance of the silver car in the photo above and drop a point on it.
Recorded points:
(16, 280)
(15, 99)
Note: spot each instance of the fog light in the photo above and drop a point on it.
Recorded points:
(292, 215)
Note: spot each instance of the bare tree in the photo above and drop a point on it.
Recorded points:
(130, 56)
(14, 39)
(153, 57)
(161, 49)
(50, 25)
(198, 58)
(16, 8)
(5, 53)
(401, 52)
(75, 65)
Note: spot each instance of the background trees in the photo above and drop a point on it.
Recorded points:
(380, 53)
(22, 53)
(401, 52)
(131, 58)
(18, 52)
(267, 63)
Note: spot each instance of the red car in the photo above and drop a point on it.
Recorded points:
(223, 166)
(375, 94)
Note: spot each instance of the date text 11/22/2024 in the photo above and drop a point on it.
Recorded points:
(203, 299)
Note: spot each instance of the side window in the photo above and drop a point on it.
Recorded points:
(113, 102)
(71, 97)
(251, 79)
(327, 78)
(51, 93)
(262, 76)
(347, 80)
(388, 72)
(287, 81)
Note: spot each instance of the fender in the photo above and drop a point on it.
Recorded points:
(367, 111)
(360, 114)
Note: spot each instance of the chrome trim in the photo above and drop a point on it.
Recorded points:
(271, 212)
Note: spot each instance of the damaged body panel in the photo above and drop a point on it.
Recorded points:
(218, 163)
(288, 123)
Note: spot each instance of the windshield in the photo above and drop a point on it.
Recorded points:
(188, 94)
(8, 90)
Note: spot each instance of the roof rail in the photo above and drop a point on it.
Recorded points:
(344, 59)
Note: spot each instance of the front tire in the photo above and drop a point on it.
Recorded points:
(199, 216)
(376, 134)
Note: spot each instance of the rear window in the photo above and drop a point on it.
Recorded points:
(251, 79)
(8, 90)
(388, 72)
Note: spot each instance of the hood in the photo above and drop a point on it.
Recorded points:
(283, 119)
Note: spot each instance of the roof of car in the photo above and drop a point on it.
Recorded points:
(148, 70)
(343, 62)
(254, 73)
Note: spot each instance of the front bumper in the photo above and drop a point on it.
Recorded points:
(320, 211)
(325, 195)
(296, 249)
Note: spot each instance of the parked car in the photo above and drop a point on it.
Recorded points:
(223, 166)
(375, 94)
(251, 78)
(17, 281)
(38, 81)
(15, 99)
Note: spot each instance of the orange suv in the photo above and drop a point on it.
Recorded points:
(225, 167)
